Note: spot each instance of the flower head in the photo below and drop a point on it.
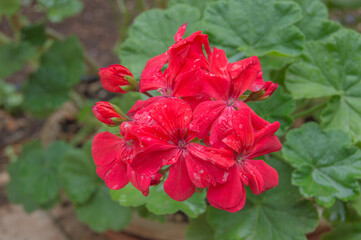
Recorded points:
(114, 77)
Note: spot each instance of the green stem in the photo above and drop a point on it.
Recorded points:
(148, 94)
(309, 111)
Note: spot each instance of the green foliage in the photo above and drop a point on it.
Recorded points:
(159, 202)
(34, 34)
(153, 32)
(331, 69)
(200, 4)
(61, 68)
(255, 27)
(314, 23)
(9, 7)
(10, 99)
(34, 176)
(91, 197)
(58, 10)
(278, 108)
(13, 57)
(344, 3)
(344, 231)
(276, 214)
(326, 163)
(125, 102)
(199, 229)
(101, 213)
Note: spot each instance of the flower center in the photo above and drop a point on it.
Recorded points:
(231, 101)
(182, 144)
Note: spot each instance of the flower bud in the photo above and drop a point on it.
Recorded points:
(266, 92)
(107, 113)
(115, 76)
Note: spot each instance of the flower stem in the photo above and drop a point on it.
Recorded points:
(148, 94)
(309, 111)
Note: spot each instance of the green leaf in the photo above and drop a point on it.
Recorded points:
(10, 99)
(35, 174)
(68, 56)
(345, 231)
(327, 164)
(128, 196)
(314, 23)
(34, 34)
(200, 4)
(159, 202)
(278, 108)
(276, 214)
(58, 10)
(153, 32)
(13, 57)
(9, 7)
(101, 213)
(255, 27)
(78, 176)
(61, 68)
(341, 212)
(331, 69)
(199, 229)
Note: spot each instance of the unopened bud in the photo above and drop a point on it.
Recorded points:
(108, 113)
(114, 77)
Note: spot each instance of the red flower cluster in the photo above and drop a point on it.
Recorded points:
(199, 133)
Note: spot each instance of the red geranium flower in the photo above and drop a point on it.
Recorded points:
(223, 82)
(169, 142)
(112, 156)
(248, 139)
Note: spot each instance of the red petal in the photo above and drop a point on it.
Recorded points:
(265, 146)
(114, 175)
(178, 184)
(243, 74)
(174, 116)
(152, 77)
(257, 84)
(243, 137)
(261, 176)
(195, 100)
(219, 157)
(140, 182)
(141, 105)
(230, 196)
(106, 148)
(153, 158)
(222, 128)
(267, 131)
(203, 173)
(181, 30)
(204, 116)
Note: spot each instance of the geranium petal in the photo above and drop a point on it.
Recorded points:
(219, 157)
(204, 116)
(152, 77)
(140, 182)
(265, 146)
(243, 74)
(174, 116)
(195, 100)
(266, 132)
(114, 175)
(230, 196)
(203, 173)
(260, 175)
(142, 105)
(178, 184)
(153, 158)
(106, 148)
(181, 30)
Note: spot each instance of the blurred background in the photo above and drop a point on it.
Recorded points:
(50, 53)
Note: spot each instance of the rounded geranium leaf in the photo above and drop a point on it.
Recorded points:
(269, 30)
(265, 216)
(344, 231)
(331, 69)
(128, 196)
(326, 163)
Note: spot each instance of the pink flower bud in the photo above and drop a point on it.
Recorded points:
(113, 77)
(106, 113)
(269, 88)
